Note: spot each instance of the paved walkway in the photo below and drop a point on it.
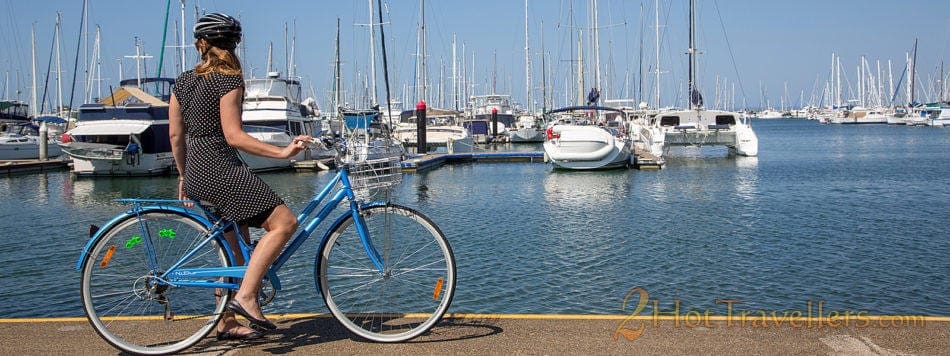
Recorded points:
(528, 334)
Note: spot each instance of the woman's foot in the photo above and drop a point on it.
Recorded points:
(257, 321)
(239, 332)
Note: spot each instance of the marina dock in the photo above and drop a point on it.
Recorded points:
(418, 163)
(13, 167)
(433, 160)
(533, 334)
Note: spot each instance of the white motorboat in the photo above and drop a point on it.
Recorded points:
(15, 146)
(22, 141)
(274, 113)
(939, 116)
(125, 134)
(769, 114)
(586, 147)
(481, 110)
(443, 133)
(526, 129)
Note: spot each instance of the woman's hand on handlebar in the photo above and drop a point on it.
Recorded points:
(296, 146)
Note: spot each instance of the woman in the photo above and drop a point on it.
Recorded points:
(206, 134)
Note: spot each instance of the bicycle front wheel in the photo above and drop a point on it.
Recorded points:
(412, 290)
(126, 300)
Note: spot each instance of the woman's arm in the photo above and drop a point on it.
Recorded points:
(234, 132)
(176, 134)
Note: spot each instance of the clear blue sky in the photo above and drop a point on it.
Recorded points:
(766, 46)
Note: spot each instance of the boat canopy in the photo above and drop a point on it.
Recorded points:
(111, 129)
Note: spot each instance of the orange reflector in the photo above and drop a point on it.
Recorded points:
(107, 257)
(438, 289)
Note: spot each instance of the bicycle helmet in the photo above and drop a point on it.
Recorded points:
(220, 30)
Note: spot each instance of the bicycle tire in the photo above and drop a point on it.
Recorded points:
(412, 293)
(130, 308)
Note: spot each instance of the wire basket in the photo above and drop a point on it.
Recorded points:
(373, 178)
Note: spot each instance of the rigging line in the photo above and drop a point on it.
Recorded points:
(72, 89)
(731, 54)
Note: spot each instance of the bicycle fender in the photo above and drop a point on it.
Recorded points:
(343, 216)
(132, 213)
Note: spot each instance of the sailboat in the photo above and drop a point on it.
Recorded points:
(589, 136)
(442, 129)
(527, 126)
(698, 126)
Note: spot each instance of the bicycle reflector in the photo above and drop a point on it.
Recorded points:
(438, 289)
(107, 257)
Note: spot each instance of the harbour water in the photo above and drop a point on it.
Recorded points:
(854, 217)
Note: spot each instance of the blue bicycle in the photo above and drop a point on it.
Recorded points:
(156, 278)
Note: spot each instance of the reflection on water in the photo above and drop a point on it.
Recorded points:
(848, 215)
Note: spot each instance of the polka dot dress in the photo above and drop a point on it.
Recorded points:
(214, 171)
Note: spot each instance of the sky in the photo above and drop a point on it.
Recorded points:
(754, 53)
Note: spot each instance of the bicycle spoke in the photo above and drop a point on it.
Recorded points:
(412, 292)
(127, 302)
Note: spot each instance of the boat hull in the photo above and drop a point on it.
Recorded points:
(586, 148)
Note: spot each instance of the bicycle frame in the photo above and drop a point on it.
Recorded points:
(176, 276)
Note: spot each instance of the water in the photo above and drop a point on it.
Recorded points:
(853, 216)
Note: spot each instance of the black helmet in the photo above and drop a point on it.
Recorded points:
(220, 30)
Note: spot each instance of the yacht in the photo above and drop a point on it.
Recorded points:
(480, 112)
(22, 141)
(698, 126)
(274, 113)
(443, 133)
(574, 143)
(125, 134)
(14, 146)
(938, 115)
(527, 128)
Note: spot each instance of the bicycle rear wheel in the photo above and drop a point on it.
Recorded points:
(409, 295)
(125, 300)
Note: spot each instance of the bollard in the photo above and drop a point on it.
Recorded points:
(421, 127)
(44, 140)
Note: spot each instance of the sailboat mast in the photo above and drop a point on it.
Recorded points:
(455, 84)
(337, 88)
(595, 44)
(372, 52)
(422, 34)
(382, 41)
(181, 49)
(544, 85)
(33, 54)
(913, 71)
(59, 69)
(657, 38)
(580, 69)
(527, 62)
(692, 55)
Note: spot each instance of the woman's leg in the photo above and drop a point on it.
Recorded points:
(280, 225)
(228, 323)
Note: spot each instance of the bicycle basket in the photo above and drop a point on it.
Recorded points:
(371, 179)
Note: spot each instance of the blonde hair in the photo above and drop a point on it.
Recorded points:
(216, 59)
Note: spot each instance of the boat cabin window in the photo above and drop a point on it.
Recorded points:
(669, 121)
(265, 126)
(725, 120)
